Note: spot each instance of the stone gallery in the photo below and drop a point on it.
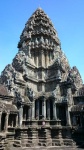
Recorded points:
(41, 96)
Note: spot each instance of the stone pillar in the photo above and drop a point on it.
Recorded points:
(0, 120)
(68, 120)
(48, 109)
(42, 72)
(24, 115)
(44, 108)
(42, 58)
(54, 111)
(6, 121)
(37, 109)
(47, 58)
(29, 112)
(33, 110)
(16, 120)
(37, 58)
(20, 116)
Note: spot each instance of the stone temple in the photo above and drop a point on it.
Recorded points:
(41, 96)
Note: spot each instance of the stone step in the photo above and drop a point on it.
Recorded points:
(18, 138)
(25, 140)
(24, 137)
(57, 142)
(42, 143)
(1, 148)
(28, 145)
(69, 142)
(29, 141)
(17, 143)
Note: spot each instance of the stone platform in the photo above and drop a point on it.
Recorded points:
(46, 148)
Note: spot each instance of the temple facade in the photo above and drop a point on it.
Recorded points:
(41, 96)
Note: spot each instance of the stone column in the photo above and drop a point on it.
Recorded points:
(24, 115)
(20, 116)
(42, 72)
(54, 111)
(68, 120)
(47, 58)
(33, 110)
(37, 109)
(37, 58)
(48, 109)
(16, 120)
(29, 112)
(6, 121)
(44, 108)
(42, 58)
(0, 120)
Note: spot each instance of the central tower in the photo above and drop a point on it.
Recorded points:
(41, 46)
(42, 86)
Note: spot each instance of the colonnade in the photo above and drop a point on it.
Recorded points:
(50, 110)
(46, 109)
(8, 120)
(40, 109)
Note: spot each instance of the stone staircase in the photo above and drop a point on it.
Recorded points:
(3, 141)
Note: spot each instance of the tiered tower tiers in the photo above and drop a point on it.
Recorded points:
(42, 91)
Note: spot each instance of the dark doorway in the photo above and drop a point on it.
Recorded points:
(78, 120)
(25, 112)
(3, 121)
(37, 107)
(51, 110)
(61, 114)
(12, 120)
(40, 109)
